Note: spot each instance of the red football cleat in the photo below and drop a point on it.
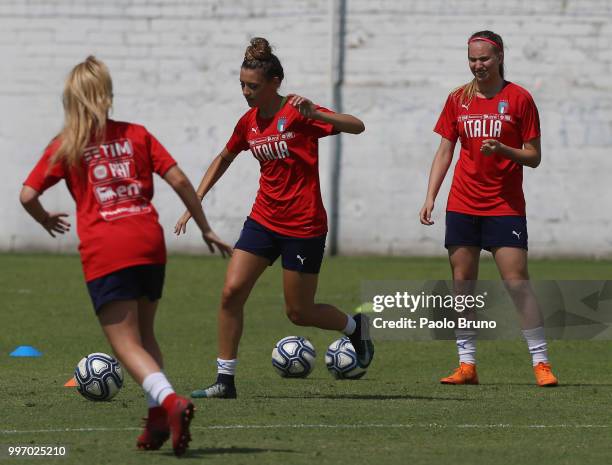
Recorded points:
(156, 430)
(180, 412)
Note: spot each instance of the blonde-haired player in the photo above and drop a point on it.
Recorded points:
(497, 124)
(108, 168)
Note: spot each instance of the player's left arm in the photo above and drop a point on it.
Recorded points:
(530, 155)
(340, 121)
(52, 222)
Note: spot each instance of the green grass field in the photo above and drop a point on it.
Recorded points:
(397, 414)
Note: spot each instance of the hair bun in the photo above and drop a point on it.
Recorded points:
(258, 50)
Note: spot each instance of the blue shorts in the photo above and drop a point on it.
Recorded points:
(486, 232)
(298, 254)
(127, 284)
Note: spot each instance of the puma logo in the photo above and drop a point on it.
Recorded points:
(301, 259)
(254, 130)
(518, 235)
(463, 105)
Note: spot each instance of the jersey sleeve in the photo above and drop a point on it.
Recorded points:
(237, 142)
(447, 122)
(530, 120)
(45, 173)
(316, 128)
(161, 158)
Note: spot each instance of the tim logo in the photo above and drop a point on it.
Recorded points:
(282, 124)
(502, 107)
(120, 148)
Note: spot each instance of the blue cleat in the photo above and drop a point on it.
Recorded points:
(215, 391)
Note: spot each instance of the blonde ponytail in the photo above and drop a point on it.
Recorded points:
(88, 97)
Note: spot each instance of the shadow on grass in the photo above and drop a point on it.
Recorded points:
(561, 385)
(200, 452)
(367, 397)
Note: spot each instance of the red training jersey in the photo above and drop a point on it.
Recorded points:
(488, 185)
(113, 186)
(287, 147)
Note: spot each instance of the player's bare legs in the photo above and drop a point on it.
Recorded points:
(464, 261)
(157, 430)
(121, 324)
(242, 273)
(119, 320)
(243, 270)
(146, 320)
(512, 265)
(300, 290)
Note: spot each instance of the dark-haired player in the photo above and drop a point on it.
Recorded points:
(498, 126)
(288, 219)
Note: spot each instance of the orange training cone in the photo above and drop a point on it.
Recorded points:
(71, 383)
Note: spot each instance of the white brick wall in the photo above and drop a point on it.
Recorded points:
(175, 69)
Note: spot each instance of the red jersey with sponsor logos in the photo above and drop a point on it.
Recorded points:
(287, 148)
(489, 185)
(116, 223)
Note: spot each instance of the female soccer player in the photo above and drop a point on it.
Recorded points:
(108, 167)
(288, 218)
(498, 126)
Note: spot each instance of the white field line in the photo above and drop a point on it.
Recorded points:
(315, 426)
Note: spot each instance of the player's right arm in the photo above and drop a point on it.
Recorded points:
(214, 172)
(52, 222)
(183, 187)
(441, 162)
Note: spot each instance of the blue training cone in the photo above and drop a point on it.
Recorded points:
(25, 351)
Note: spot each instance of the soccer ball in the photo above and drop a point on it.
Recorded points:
(293, 357)
(341, 360)
(99, 376)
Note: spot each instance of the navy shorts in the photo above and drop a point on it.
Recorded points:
(127, 284)
(298, 254)
(486, 232)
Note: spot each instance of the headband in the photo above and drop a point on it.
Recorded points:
(474, 39)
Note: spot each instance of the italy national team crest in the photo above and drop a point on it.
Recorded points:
(282, 124)
(502, 107)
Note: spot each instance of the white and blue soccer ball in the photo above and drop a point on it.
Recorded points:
(99, 376)
(293, 357)
(341, 360)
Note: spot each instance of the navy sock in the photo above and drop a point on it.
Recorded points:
(225, 379)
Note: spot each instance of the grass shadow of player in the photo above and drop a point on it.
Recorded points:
(368, 397)
(200, 452)
(559, 386)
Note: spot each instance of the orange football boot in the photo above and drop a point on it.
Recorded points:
(544, 375)
(465, 374)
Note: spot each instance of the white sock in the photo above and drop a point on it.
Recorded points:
(157, 386)
(151, 401)
(466, 345)
(227, 367)
(351, 325)
(536, 342)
